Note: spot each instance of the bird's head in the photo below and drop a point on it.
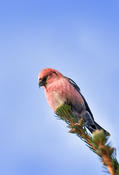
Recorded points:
(47, 76)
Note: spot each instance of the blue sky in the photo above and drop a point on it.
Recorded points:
(78, 38)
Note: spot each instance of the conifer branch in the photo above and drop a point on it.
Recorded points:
(97, 142)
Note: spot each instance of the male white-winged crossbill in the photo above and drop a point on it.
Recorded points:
(61, 90)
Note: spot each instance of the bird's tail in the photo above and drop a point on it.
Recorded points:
(91, 125)
(96, 126)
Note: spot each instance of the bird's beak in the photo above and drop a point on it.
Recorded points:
(41, 83)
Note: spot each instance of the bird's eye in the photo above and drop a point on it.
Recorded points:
(54, 73)
(45, 78)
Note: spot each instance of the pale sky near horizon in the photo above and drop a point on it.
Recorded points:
(81, 40)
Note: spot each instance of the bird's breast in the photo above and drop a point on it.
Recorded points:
(61, 92)
(55, 98)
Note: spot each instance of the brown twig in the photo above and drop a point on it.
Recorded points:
(97, 142)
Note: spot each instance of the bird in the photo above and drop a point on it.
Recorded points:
(60, 90)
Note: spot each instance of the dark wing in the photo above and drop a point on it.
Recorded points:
(78, 89)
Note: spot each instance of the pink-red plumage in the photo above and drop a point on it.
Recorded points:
(62, 90)
(58, 90)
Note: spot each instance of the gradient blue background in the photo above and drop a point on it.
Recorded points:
(78, 38)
